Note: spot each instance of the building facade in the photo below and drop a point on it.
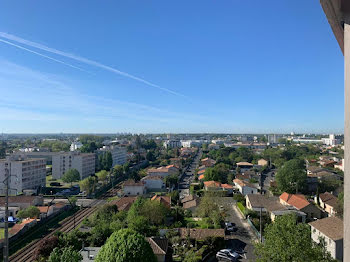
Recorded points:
(25, 173)
(83, 162)
(119, 154)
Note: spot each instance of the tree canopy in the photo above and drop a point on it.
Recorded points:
(32, 212)
(65, 254)
(286, 240)
(126, 245)
(72, 175)
(291, 177)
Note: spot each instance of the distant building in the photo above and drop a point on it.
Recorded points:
(119, 154)
(172, 144)
(163, 171)
(154, 183)
(273, 138)
(207, 162)
(331, 141)
(89, 253)
(132, 188)
(83, 162)
(331, 230)
(25, 173)
(340, 165)
(75, 146)
(165, 200)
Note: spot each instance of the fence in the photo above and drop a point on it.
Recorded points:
(257, 233)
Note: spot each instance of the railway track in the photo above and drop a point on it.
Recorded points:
(26, 254)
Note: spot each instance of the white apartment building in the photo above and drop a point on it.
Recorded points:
(273, 138)
(83, 162)
(25, 173)
(75, 146)
(119, 154)
(172, 143)
(331, 141)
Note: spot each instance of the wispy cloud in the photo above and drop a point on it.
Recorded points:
(48, 57)
(79, 59)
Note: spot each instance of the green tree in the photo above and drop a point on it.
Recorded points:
(64, 255)
(118, 170)
(72, 175)
(339, 208)
(88, 185)
(126, 245)
(32, 212)
(3, 147)
(286, 240)
(291, 177)
(102, 176)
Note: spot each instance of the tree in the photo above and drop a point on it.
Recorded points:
(3, 147)
(32, 212)
(102, 176)
(339, 208)
(126, 245)
(118, 170)
(65, 254)
(286, 240)
(291, 177)
(88, 185)
(45, 247)
(72, 175)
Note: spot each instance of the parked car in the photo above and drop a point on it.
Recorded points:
(230, 227)
(227, 255)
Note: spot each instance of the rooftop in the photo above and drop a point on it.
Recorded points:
(297, 200)
(332, 227)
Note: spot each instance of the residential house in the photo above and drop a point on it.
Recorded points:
(124, 203)
(263, 162)
(163, 171)
(160, 248)
(23, 201)
(190, 202)
(228, 188)
(154, 183)
(331, 229)
(245, 187)
(328, 203)
(244, 165)
(45, 211)
(89, 253)
(207, 162)
(271, 206)
(340, 165)
(165, 200)
(212, 185)
(300, 203)
(22, 227)
(132, 188)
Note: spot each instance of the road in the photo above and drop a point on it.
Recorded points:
(243, 237)
(187, 178)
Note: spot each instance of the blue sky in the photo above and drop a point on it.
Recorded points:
(169, 66)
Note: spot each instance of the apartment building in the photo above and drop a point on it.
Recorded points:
(83, 162)
(119, 154)
(25, 173)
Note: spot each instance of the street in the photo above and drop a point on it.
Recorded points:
(241, 239)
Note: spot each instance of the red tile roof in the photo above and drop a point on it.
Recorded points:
(212, 184)
(201, 177)
(227, 186)
(297, 200)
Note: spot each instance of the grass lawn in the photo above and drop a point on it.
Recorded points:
(49, 180)
(2, 233)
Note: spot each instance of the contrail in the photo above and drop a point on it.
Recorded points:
(78, 58)
(48, 57)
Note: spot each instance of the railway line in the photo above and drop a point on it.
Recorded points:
(26, 254)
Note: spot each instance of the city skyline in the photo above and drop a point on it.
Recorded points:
(163, 68)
